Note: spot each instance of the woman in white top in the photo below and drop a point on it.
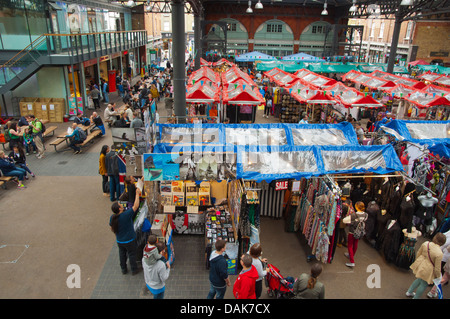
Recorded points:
(255, 252)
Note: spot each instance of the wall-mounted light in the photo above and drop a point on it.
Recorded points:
(353, 8)
(324, 12)
(259, 5)
(249, 9)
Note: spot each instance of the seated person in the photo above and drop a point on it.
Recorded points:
(124, 121)
(75, 138)
(97, 120)
(8, 168)
(81, 120)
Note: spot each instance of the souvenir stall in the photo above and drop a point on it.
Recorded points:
(203, 102)
(204, 74)
(423, 148)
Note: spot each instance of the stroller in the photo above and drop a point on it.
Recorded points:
(277, 285)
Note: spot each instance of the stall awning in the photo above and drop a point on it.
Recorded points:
(253, 56)
(434, 134)
(202, 93)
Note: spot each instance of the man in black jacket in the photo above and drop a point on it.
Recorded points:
(112, 169)
(218, 273)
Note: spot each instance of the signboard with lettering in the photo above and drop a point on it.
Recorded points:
(279, 186)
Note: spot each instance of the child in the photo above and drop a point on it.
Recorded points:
(18, 156)
(28, 141)
(244, 286)
(151, 254)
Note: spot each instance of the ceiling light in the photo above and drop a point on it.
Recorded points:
(259, 5)
(353, 8)
(249, 9)
(324, 12)
(130, 3)
(407, 3)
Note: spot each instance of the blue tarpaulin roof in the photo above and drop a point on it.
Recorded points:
(281, 151)
(434, 134)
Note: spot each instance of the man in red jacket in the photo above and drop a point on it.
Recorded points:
(244, 287)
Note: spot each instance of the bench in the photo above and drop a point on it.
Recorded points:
(49, 130)
(6, 179)
(58, 141)
(90, 137)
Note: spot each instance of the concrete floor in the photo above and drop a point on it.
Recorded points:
(61, 220)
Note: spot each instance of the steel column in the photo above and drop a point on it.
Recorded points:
(178, 53)
(394, 43)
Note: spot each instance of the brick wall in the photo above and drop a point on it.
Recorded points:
(432, 39)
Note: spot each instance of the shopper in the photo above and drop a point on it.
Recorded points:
(218, 272)
(244, 286)
(347, 208)
(112, 169)
(445, 265)
(122, 225)
(427, 265)
(37, 131)
(136, 122)
(9, 169)
(105, 91)
(304, 119)
(255, 252)
(359, 133)
(19, 159)
(156, 275)
(356, 222)
(307, 286)
(95, 96)
(268, 105)
(102, 169)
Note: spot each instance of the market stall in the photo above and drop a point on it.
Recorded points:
(424, 149)
(203, 102)
(241, 99)
(271, 163)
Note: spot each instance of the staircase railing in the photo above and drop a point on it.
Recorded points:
(79, 47)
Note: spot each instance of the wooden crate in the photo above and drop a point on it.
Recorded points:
(56, 110)
(26, 106)
(41, 106)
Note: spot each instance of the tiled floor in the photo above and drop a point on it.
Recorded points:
(188, 277)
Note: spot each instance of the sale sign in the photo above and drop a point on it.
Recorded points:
(281, 185)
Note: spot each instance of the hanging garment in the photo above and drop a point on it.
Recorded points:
(321, 251)
(382, 220)
(390, 241)
(406, 254)
(406, 212)
(372, 210)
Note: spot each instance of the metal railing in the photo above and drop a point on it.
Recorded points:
(77, 47)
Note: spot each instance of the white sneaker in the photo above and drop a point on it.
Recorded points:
(432, 295)
(347, 255)
(410, 294)
(350, 264)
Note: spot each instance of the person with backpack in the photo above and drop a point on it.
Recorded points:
(357, 230)
(76, 137)
(37, 129)
(105, 91)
